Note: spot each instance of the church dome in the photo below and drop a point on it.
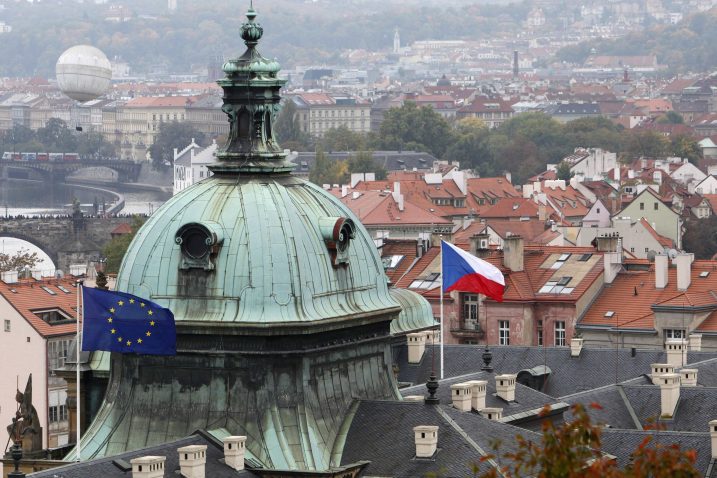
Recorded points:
(257, 251)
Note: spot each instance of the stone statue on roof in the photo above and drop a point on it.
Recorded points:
(25, 427)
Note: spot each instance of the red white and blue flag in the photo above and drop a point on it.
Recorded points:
(465, 272)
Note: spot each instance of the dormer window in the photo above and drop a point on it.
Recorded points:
(53, 316)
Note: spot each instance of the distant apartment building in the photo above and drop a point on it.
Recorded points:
(190, 165)
(319, 112)
(493, 112)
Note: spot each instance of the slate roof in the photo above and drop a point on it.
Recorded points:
(595, 367)
(621, 443)
(382, 432)
(526, 398)
(106, 468)
(390, 160)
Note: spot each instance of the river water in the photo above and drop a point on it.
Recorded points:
(35, 198)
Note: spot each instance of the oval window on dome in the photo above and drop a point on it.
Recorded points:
(198, 244)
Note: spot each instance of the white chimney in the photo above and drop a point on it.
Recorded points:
(461, 396)
(661, 265)
(713, 435)
(426, 438)
(576, 346)
(505, 386)
(416, 346)
(676, 352)
(492, 413)
(659, 369)
(478, 392)
(688, 377)
(683, 261)
(148, 467)
(192, 460)
(695, 342)
(669, 394)
(234, 452)
(344, 190)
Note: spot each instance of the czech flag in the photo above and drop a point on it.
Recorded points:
(466, 273)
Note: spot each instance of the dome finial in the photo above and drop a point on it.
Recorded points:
(251, 32)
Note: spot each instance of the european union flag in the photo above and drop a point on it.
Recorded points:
(125, 323)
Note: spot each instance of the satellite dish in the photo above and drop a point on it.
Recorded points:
(672, 253)
(83, 73)
(651, 256)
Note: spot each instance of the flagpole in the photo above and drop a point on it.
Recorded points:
(77, 371)
(441, 329)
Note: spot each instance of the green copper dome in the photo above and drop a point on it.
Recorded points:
(263, 256)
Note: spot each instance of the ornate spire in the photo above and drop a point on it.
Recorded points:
(252, 102)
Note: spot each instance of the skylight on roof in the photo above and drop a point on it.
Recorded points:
(48, 290)
(63, 289)
(704, 273)
(391, 262)
(609, 313)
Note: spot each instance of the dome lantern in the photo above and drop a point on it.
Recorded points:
(252, 102)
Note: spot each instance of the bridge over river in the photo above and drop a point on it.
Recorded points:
(57, 171)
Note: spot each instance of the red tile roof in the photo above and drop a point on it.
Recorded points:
(31, 295)
(511, 208)
(632, 295)
(399, 247)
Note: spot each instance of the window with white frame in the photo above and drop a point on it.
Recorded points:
(470, 308)
(503, 332)
(560, 333)
(675, 334)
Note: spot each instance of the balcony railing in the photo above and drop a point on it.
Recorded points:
(466, 328)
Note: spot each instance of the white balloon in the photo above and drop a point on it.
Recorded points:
(83, 73)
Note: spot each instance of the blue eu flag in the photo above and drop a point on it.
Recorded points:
(125, 323)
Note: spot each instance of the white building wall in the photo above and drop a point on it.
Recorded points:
(24, 353)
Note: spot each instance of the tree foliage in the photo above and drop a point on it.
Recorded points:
(363, 162)
(287, 129)
(343, 139)
(172, 135)
(22, 259)
(701, 237)
(417, 128)
(56, 137)
(328, 171)
(115, 250)
(572, 449)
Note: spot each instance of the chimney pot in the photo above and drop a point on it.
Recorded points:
(661, 266)
(669, 393)
(492, 413)
(688, 377)
(683, 261)
(478, 393)
(713, 436)
(505, 386)
(676, 352)
(426, 439)
(234, 451)
(576, 346)
(148, 467)
(192, 460)
(659, 369)
(416, 346)
(461, 396)
(513, 253)
(695, 342)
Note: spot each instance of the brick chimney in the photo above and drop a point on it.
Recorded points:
(478, 392)
(426, 438)
(576, 346)
(461, 396)
(659, 369)
(688, 377)
(683, 261)
(492, 413)
(695, 342)
(513, 253)
(192, 460)
(676, 352)
(713, 436)
(234, 451)
(416, 346)
(669, 394)
(505, 386)
(148, 467)
(661, 267)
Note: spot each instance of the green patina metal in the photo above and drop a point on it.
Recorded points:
(282, 308)
(416, 313)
